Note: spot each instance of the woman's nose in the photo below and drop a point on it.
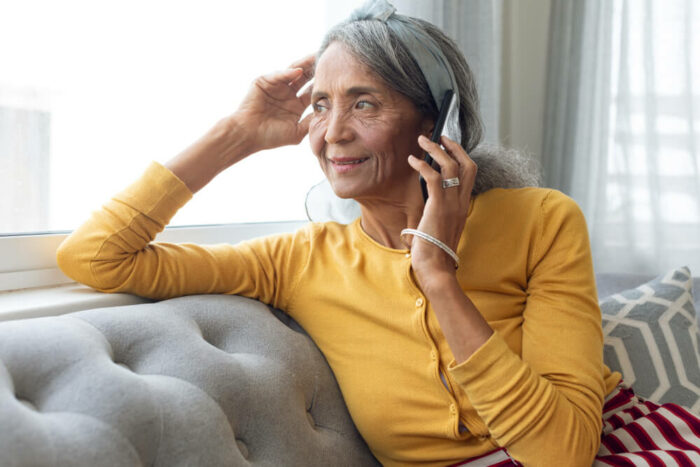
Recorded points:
(338, 129)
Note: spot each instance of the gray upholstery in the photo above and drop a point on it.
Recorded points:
(197, 381)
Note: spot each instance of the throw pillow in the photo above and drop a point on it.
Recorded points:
(651, 337)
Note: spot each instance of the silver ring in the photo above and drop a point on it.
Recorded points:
(450, 182)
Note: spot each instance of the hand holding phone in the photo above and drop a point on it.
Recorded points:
(437, 132)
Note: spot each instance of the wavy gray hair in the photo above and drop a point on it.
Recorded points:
(375, 45)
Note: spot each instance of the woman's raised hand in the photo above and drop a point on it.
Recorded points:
(271, 111)
(268, 117)
(445, 212)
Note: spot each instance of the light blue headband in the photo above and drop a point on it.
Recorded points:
(423, 48)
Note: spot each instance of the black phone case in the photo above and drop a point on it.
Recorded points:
(437, 132)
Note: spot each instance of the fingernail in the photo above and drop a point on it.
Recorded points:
(422, 138)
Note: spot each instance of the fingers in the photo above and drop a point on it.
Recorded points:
(307, 66)
(299, 82)
(448, 165)
(285, 84)
(305, 97)
(453, 160)
(432, 177)
(468, 167)
(281, 77)
(456, 151)
(303, 127)
(304, 63)
(295, 77)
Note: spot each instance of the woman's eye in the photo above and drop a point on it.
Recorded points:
(364, 105)
(319, 107)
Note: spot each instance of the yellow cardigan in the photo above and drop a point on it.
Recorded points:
(535, 387)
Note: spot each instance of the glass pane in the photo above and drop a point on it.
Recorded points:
(91, 92)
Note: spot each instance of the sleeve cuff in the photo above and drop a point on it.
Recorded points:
(494, 353)
(158, 193)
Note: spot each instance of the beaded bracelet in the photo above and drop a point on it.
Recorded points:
(434, 241)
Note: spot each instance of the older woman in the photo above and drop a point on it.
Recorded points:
(437, 364)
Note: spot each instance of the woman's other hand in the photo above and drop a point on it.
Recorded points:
(271, 111)
(268, 117)
(445, 212)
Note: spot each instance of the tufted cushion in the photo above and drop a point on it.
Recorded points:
(199, 380)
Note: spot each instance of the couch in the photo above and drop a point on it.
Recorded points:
(192, 381)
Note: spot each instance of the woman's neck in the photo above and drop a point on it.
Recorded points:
(383, 220)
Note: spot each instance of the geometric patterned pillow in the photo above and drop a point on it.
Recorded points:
(651, 337)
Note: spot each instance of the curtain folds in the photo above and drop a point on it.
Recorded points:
(621, 128)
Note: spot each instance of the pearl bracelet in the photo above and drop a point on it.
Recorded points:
(434, 241)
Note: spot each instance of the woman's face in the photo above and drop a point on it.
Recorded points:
(362, 131)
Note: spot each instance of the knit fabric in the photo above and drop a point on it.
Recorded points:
(537, 385)
(635, 432)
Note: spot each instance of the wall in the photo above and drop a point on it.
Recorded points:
(524, 72)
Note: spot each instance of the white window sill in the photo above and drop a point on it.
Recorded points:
(31, 285)
(52, 301)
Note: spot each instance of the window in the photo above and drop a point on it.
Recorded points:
(652, 174)
(91, 92)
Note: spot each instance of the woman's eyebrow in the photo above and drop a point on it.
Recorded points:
(352, 91)
(361, 90)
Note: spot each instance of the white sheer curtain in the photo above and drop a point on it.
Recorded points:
(622, 128)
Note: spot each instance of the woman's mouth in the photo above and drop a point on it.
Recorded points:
(346, 164)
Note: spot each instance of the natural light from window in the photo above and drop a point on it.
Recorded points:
(91, 92)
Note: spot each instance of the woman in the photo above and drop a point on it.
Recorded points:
(437, 364)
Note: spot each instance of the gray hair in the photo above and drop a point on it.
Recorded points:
(376, 46)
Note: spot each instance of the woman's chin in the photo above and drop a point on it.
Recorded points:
(345, 194)
(346, 190)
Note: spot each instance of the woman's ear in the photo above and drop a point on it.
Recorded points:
(427, 128)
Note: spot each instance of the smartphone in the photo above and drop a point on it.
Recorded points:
(437, 132)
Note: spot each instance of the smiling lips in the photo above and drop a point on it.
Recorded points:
(346, 164)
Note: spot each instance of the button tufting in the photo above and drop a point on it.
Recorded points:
(123, 365)
(242, 447)
(311, 419)
(27, 404)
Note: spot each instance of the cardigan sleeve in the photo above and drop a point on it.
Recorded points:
(545, 406)
(114, 250)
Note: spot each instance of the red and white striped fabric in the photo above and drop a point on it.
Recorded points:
(639, 432)
(635, 433)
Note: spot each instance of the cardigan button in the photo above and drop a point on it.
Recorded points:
(419, 302)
